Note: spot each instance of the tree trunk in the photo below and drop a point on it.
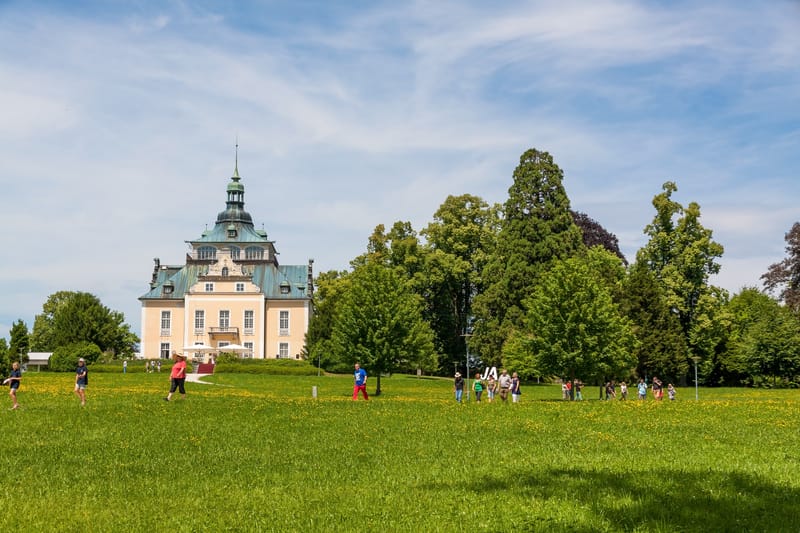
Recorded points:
(378, 385)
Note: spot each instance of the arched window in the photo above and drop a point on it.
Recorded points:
(235, 252)
(207, 252)
(224, 272)
(253, 252)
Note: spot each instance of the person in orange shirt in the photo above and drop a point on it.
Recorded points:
(177, 376)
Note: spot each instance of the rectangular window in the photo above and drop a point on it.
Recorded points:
(209, 287)
(283, 350)
(224, 320)
(166, 323)
(240, 287)
(283, 323)
(249, 321)
(199, 321)
(164, 351)
(249, 349)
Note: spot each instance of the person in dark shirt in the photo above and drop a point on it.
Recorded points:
(13, 383)
(81, 380)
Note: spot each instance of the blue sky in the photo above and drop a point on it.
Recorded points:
(118, 123)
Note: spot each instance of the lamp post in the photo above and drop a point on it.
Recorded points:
(696, 359)
(466, 343)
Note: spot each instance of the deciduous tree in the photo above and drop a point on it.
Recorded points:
(785, 276)
(379, 323)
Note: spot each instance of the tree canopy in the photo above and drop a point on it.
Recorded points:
(785, 275)
(379, 324)
(71, 317)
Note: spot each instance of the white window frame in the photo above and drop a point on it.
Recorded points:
(283, 322)
(166, 323)
(249, 321)
(164, 351)
(199, 321)
(249, 352)
(283, 350)
(224, 323)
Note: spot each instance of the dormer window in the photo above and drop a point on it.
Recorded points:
(231, 231)
(168, 287)
(284, 287)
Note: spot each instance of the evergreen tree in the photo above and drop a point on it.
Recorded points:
(536, 230)
(20, 343)
(661, 350)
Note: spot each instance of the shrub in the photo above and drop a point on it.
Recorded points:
(65, 358)
(283, 367)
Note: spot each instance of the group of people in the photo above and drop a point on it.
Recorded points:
(502, 386)
(657, 386)
(177, 379)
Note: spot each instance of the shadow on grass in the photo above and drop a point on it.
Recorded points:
(661, 499)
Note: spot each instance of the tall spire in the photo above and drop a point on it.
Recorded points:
(236, 165)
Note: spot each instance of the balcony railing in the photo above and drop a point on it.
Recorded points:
(230, 330)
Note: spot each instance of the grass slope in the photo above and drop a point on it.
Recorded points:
(257, 453)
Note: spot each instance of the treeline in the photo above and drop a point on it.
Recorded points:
(72, 325)
(541, 289)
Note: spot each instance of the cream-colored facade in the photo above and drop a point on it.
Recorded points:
(231, 291)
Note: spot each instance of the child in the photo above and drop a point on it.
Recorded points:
(671, 391)
(13, 383)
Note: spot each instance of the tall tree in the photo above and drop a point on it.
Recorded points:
(536, 230)
(574, 328)
(20, 342)
(72, 317)
(379, 323)
(661, 350)
(682, 255)
(460, 239)
(786, 274)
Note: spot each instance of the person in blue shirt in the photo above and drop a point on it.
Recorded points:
(13, 383)
(360, 382)
(81, 380)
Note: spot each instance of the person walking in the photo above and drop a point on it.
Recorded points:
(623, 389)
(491, 388)
(458, 386)
(671, 391)
(477, 387)
(81, 380)
(578, 389)
(125, 366)
(505, 385)
(177, 376)
(360, 382)
(515, 391)
(642, 388)
(13, 383)
(658, 388)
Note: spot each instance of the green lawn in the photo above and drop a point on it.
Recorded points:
(257, 453)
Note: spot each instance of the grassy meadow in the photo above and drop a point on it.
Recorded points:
(257, 453)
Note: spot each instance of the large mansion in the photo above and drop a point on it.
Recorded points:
(230, 292)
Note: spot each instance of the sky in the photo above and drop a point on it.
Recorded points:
(119, 120)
